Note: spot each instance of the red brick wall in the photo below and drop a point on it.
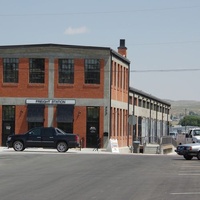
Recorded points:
(79, 89)
(24, 88)
(80, 122)
(0, 125)
(119, 92)
(21, 124)
(76, 90)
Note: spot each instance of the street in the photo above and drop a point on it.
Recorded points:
(71, 175)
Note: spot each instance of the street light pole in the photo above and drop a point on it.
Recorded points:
(185, 119)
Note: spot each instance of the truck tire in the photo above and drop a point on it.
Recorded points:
(62, 147)
(188, 157)
(198, 155)
(18, 146)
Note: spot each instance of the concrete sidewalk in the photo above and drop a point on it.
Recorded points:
(74, 150)
(125, 151)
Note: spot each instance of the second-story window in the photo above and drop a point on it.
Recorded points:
(140, 103)
(36, 70)
(66, 70)
(92, 71)
(10, 70)
(144, 104)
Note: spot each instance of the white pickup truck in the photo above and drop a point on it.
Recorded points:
(191, 148)
(193, 136)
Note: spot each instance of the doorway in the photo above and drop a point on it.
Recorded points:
(92, 135)
(8, 122)
(7, 129)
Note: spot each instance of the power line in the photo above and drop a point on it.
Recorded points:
(101, 12)
(131, 71)
(163, 43)
(165, 70)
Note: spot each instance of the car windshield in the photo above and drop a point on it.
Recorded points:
(172, 134)
(196, 132)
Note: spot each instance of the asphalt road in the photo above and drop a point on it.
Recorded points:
(70, 176)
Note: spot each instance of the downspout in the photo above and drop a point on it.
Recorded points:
(168, 125)
(128, 105)
(162, 119)
(156, 122)
(110, 93)
(149, 131)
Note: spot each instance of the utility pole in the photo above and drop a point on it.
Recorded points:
(185, 119)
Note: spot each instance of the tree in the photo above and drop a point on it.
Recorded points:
(192, 113)
(190, 120)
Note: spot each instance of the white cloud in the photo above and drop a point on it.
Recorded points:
(75, 31)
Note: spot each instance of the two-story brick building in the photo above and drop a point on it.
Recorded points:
(80, 89)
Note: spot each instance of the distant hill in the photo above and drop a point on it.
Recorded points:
(182, 107)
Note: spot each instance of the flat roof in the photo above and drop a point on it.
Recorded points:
(67, 46)
(140, 92)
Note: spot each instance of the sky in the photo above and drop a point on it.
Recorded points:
(162, 37)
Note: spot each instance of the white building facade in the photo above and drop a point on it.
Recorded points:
(151, 114)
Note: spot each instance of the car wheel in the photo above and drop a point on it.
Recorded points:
(62, 147)
(198, 155)
(18, 146)
(188, 157)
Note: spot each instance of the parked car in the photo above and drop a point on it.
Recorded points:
(45, 137)
(188, 151)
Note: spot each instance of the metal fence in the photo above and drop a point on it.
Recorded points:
(164, 140)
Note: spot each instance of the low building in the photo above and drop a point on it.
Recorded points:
(80, 89)
(151, 116)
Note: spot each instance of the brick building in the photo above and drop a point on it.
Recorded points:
(80, 89)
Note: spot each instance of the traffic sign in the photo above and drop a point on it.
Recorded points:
(132, 120)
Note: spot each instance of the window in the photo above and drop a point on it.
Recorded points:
(8, 113)
(140, 103)
(92, 71)
(135, 101)
(125, 80)
(144, 104)
(115, 72)
(196, 132)
(66, 70)
(131, 100)
(93, 114)
(10, 70)
(36, 70)
(48, 132)
(35, 132)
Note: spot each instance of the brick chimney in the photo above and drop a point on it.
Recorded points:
(122, 49)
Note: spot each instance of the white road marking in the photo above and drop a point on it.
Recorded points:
(189, 174)
(185, 193)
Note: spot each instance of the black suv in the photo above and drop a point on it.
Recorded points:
(45, 137)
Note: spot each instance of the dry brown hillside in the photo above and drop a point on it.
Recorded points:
(182, 107)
